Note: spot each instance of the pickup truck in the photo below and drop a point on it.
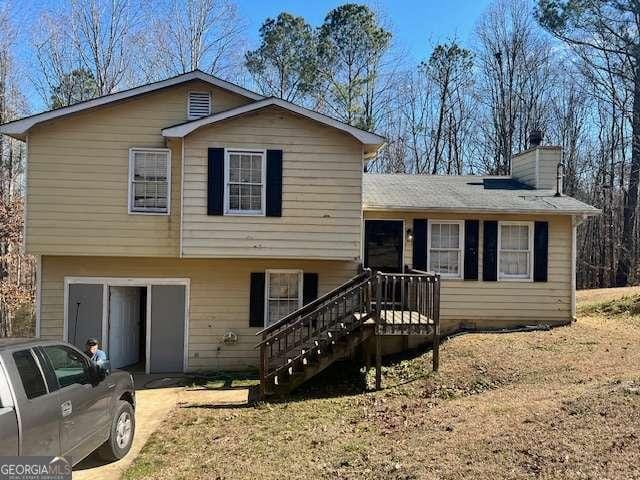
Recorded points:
(54, 401)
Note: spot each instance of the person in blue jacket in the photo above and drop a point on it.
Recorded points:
(94, 353)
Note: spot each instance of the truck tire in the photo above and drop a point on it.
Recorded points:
(120, 439)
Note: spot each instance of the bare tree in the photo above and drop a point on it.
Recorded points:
(606, 31)
(17, 272)
(87, 50)
(513, 59)
(194, 34)
(104, 37)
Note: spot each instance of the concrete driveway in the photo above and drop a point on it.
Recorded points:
(156, 396)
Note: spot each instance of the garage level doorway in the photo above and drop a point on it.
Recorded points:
(126, 326)
(142, 324)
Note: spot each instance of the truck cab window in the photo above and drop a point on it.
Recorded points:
(68, 364)
(30, 374)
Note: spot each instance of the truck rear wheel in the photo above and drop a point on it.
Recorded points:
(121, 436)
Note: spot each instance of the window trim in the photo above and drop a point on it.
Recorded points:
(209, 94)
(130, 202)
(460, 274)
(267, 283)
(245, 213)
(515, 278)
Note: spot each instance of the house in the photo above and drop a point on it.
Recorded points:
(176, 220)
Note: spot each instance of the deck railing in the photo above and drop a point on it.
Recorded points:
(402, 303)
(407, 302)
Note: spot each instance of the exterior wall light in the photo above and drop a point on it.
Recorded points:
(409, 235)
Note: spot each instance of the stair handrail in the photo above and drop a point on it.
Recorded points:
(311, 306)
(422, 272)
(301, 318)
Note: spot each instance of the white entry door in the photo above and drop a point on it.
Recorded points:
(124, 326)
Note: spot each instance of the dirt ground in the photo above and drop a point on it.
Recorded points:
(559, 404)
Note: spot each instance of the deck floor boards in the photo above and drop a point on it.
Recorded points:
(398, 318)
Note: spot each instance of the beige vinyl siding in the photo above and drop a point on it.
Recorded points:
(549, 159)
(493, 303)
(523, 168)
(537, 167)
(219, 297)
(77, 176)
(321, 193)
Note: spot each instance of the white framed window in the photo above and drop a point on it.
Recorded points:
(283, 294)
(149, 180)
(515, 251)
(244, 185)
(198, 105)
(446, 247)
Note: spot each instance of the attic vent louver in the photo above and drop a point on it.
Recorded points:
(199, 105)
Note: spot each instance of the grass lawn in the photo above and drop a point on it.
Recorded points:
(561, 404)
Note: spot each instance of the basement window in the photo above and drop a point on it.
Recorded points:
(149, 180)
(515, 247)
(283, 294)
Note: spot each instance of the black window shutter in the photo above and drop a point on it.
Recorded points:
(471, 238)
(256, 300)
(490, 251)
(309, 287)
(215, 182)
(540, 251)
(274, 184)
(420, 243)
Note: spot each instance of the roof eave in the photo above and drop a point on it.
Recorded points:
(516, 211)
(19, 128)
(371, 141)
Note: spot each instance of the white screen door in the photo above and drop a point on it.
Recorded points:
(124, 326)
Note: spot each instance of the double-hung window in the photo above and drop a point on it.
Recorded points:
(515, 250)
(283, 294)
(244, 182)
(149, 180)
(446, 240)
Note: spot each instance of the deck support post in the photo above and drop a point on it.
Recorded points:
(378, 331)
(436, 324)
(436, 349)
(378, 361)
(263, 370)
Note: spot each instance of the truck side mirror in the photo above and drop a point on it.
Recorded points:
(98, 372)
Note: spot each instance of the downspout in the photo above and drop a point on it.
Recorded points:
(575, 222)
(181, 194)
(38, 298)
(559, 177)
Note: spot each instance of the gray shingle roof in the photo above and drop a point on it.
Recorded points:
(464, 194)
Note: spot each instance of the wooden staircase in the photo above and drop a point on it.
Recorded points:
(331, 328)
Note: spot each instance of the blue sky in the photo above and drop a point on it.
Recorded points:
(417, 24)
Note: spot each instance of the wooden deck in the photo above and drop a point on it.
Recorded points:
(298, 346)
(394, 322)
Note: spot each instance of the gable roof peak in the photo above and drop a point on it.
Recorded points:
(19, 128)
(371, 141)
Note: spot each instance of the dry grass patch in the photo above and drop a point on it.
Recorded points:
(561, 404)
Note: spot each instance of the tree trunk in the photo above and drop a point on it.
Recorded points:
(631, 199)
